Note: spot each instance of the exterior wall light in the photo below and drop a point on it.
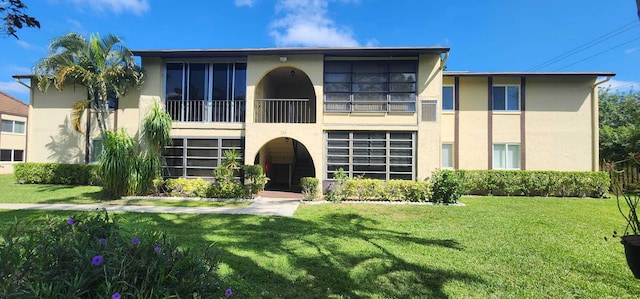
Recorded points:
(283, 59)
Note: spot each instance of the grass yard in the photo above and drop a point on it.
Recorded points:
(10, 192)
(493, 248)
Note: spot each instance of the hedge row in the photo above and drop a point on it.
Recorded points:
(534, 183)
(55, 173)
(393, 190)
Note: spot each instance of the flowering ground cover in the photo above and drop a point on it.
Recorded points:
(500, 247)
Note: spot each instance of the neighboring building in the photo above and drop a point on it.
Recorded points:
(385, 113)
(13, 135)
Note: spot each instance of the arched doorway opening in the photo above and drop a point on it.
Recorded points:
(285, 161)
(285, 95)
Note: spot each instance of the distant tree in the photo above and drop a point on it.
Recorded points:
(619, 125)
(14, 17)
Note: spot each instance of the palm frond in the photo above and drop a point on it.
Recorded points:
(77, 110)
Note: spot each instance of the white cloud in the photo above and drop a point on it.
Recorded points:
(136, 7)
(245, 2)
(629, 51)
(76, 26)
(24, 45)
(621, 86)
(305, 23)
(14, 88)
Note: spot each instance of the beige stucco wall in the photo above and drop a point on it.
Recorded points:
(473, 121)
(259, 134)
(52, 138)
(428, 148)
(51, 135)
(558, 123)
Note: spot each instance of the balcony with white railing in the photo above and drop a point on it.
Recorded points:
(206, 111)
(292, 111)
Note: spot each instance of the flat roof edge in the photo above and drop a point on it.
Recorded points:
(291, 51)
(528, 74)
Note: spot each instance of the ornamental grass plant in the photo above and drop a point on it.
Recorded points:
(90, 255)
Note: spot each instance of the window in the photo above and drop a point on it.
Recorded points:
(197, 157)
(11, 155)
(13, 126)
(506, 156)
(506, 98)
(447, 98)
(96, 150)
(370, 86)
(206, 92)
(372, 154)
(447, 155)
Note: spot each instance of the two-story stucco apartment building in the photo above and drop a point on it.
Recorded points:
(13, 138)
(384, 112)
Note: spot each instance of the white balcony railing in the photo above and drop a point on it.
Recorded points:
(283, 111)
(206, 111)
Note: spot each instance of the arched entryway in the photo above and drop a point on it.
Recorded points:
(285, 95)
(285, 161)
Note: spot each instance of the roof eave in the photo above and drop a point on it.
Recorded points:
(346, 51)
(526, 74)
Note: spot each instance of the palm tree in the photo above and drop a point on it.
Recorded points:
(103, 65)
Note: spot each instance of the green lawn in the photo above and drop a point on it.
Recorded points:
(10, 192)
(493, 248)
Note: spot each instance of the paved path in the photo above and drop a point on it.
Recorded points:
(262, 206)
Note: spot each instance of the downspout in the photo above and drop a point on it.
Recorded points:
(595, 129)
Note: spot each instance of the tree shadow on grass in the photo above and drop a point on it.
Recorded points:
(343, 255)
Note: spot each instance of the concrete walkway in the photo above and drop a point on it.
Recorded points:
(262, 206)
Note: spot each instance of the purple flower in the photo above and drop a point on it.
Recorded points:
(228, 292)
(116, 295)
(71, 221)
(103, 240)
(135, 241)
(97, 260)
(157, 249)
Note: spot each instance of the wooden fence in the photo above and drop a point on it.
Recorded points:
(627, 175)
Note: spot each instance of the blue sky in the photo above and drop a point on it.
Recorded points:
(487, 35)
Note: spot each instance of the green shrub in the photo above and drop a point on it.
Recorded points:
(338, 193)
(117, 164)
(254, 178)
(535, 183)
(183, 187)
(446, 187)
(55, 173)
(396, 190)
(226, 185)
(379, 190)
(309, 187)
(364, 189)
(418, 192)
(90, 255)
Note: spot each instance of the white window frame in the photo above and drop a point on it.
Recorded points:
(451, 155)
(507, 166)
(506, 97)
(453, 98)
(13, 126)
(13, 156)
